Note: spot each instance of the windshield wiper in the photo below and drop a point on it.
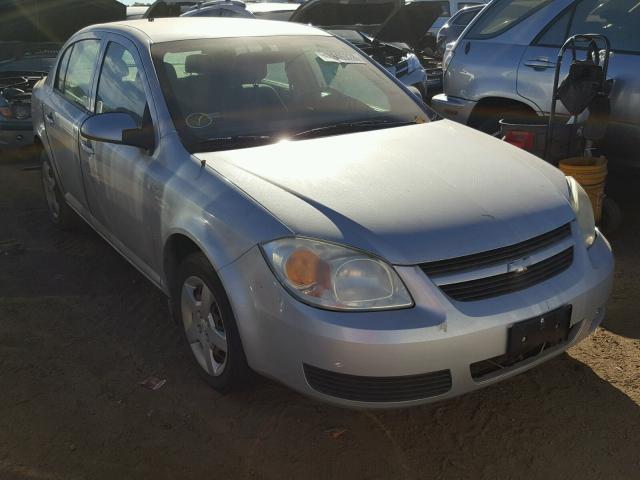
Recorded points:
(347, 127)
(234, 141)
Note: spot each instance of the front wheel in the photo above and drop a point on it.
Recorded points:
(201, 306)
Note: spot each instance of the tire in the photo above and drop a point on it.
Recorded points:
(60, 213)
(201, 306)
(611, 216)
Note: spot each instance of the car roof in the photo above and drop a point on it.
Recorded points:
(260, 7)
(192, 28)
(217, 3)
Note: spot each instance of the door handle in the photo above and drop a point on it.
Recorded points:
(540, 63)
(86, 146)
(49, 118)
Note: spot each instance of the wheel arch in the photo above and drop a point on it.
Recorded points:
(178, 246)
(489, 106)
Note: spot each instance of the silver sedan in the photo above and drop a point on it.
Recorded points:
(307, 217)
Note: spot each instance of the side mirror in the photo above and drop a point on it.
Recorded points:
(119, 128)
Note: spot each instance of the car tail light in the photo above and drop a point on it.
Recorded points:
(524, 140)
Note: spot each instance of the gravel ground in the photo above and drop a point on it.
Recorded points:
(80, 328)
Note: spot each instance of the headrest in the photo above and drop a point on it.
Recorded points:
(249, 69)
(117, 66)
(197, 63)
(171, 72)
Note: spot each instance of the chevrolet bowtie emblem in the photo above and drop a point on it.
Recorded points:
(519, 266)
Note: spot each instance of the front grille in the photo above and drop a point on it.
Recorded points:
(509, 282)
(378, 389)
(500, 255)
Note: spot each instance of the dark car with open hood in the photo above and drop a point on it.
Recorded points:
(31, 34)
(395, 33)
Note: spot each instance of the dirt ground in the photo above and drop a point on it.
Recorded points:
(80, 328)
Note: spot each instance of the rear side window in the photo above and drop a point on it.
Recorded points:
(80, 70)
(62, 69)
(618, 20)
(502, 15)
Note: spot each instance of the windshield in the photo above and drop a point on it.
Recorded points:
(274, 87)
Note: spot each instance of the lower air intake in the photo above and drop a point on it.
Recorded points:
(378, 389)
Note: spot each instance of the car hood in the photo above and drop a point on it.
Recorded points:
(385, 20)
(31, 21)
(410, 23)
(408, 194)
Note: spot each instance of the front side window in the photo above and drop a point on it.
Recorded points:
(120, 86)
(274, 87)
(80, 70)
(618, 20)
(502, 15)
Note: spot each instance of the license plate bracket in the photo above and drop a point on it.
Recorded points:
(528, 337)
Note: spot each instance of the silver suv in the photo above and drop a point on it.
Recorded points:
(503, 64)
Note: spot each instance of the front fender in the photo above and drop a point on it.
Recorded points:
(210, 211)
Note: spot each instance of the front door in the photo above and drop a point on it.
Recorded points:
(121, 197)
(66, 110)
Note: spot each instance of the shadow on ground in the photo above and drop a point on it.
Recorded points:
(80, 328)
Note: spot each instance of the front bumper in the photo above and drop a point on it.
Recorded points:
(281, 335)
(453, 108)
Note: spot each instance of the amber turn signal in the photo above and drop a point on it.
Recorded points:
(304, 269)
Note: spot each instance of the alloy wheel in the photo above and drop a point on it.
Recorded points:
(204, 326)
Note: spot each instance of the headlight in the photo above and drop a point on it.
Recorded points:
(581, 205)
(335, 277)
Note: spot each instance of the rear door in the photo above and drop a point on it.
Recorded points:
(68, 106)
(618, 20)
